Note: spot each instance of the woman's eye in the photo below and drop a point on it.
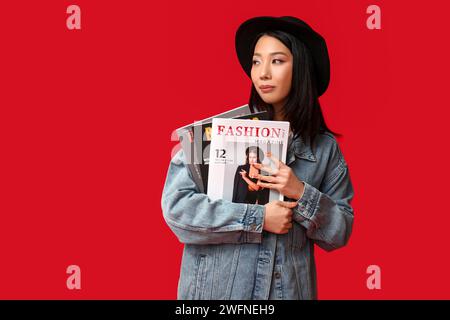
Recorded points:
(280, 61)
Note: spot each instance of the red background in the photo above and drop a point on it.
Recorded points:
(87, 116)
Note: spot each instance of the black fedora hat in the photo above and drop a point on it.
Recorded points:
(248, 30)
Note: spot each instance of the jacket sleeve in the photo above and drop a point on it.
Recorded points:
(327, 214)
(196, 219)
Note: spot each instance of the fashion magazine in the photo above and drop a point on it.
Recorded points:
(202, 142)
(236, 144)
(186, 136)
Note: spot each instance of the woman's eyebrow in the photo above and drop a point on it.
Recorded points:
(272, 54)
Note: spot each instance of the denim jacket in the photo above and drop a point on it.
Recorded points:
(228, 255)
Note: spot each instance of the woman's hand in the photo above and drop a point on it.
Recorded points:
(278, 216)
(243, 173)
(282, 179)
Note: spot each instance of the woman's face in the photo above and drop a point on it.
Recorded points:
(252, 157)
(272, 66)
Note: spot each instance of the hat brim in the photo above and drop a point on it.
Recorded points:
(247, 32)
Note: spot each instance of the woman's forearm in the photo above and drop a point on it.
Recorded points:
(251, 183)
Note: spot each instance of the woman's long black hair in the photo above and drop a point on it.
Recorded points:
(302, 108)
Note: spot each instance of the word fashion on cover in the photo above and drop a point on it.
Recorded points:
(250, 131)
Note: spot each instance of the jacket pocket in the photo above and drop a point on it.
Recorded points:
(200, 275)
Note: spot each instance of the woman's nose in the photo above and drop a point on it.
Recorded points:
(265, 71)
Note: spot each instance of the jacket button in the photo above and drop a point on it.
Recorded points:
(277, 275)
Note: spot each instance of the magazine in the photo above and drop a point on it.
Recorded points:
(186, 137)
(202, 142)
(235, 145)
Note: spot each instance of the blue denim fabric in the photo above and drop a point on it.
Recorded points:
(228, 255)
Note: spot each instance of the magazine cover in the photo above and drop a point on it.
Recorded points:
(236, 144)
(202, 143)
(187, 134)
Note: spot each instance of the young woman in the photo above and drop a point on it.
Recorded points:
(246, 188)
(253, 251)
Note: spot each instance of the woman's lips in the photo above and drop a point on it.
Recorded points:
(266, 89)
